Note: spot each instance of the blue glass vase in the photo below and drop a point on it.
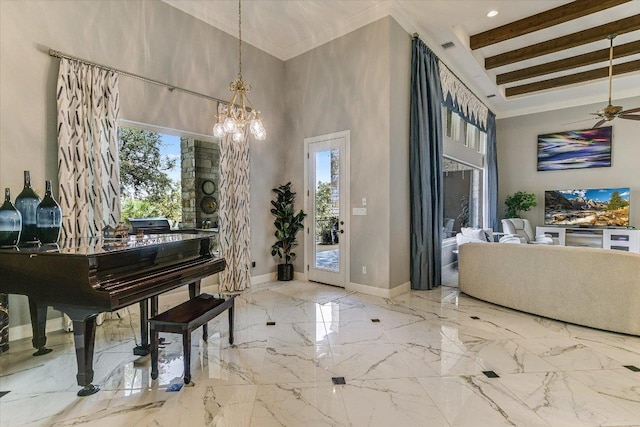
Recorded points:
(48, 217)
(27, 202)
(10, 222)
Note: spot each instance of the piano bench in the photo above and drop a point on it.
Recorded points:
(183, 319)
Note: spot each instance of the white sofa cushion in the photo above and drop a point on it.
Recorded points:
(482, 234)
(475, 235)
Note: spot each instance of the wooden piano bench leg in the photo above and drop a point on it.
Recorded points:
(186, 343)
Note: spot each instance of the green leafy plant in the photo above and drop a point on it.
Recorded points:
(287, 223)
(518, 202)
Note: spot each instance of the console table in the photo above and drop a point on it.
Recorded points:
(608, 238)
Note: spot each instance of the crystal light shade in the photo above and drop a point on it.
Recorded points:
(239, 115)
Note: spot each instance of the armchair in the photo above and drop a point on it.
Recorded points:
(521, 229)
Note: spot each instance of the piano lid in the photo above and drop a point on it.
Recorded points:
(99, 245)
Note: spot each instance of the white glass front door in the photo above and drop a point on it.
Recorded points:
(327, 229)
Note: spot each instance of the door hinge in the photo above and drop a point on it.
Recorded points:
(307, 155)
(307, 267)
(307, 193)
(307, 230)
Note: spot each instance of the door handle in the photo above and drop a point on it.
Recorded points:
(341, 231)
(341, 222)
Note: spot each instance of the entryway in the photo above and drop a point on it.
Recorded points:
(327, 204)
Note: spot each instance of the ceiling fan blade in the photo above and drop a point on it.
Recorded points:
(633, 110)
(598, 124)
(629, 116)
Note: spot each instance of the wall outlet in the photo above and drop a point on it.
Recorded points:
(364, 269)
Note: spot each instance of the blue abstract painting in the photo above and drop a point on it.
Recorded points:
(576, 149)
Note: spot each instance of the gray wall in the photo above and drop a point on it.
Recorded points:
(400, 64)
(346, 85)
(517, 157)
(144, 37)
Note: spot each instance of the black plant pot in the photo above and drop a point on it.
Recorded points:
(285, 272)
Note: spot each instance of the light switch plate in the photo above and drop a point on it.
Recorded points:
(359, 211)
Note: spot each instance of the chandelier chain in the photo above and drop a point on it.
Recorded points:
(240, 37)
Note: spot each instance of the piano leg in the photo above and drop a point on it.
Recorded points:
(84, 334)
(38, 323)
(143, 348)
(194, 289)
(231, 321)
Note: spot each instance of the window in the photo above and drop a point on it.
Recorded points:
(463, 197)
(463, 174)
(169, 174)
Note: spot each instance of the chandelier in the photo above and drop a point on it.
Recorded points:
(239, 115)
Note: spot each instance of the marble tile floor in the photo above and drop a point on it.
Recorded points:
(421, 365)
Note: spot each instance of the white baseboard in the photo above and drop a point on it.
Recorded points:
(257, 281)
(399, 290)
(24, 331)
(264, 278)
(379, 292)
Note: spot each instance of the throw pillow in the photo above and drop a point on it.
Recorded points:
(474, 233)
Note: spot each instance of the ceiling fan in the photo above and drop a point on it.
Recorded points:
(610, 112)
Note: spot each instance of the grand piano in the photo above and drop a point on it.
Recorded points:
(88, 276)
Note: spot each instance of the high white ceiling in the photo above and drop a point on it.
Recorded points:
(287, 28)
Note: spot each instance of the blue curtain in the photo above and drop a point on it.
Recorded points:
(425, 152)
(492, 172)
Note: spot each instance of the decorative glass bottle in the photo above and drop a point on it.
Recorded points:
(27, 202)
(10, 222)
(48, 217)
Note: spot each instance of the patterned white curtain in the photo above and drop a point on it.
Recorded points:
(234, 230)
(462, 97)
(88, 160)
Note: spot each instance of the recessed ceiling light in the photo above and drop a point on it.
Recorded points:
(492, 13)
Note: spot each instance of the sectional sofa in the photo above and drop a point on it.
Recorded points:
(599, 288)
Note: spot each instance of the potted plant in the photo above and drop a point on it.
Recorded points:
(518, 202)
(287, 223)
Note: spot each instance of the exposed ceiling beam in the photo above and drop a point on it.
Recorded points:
(585, 76)
(568, 63)
(569, 41)
(549, 18)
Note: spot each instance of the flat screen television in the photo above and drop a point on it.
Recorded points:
(575, 149)
(593, 207)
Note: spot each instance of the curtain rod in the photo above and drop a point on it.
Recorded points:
(416, 35)
(171, 88)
